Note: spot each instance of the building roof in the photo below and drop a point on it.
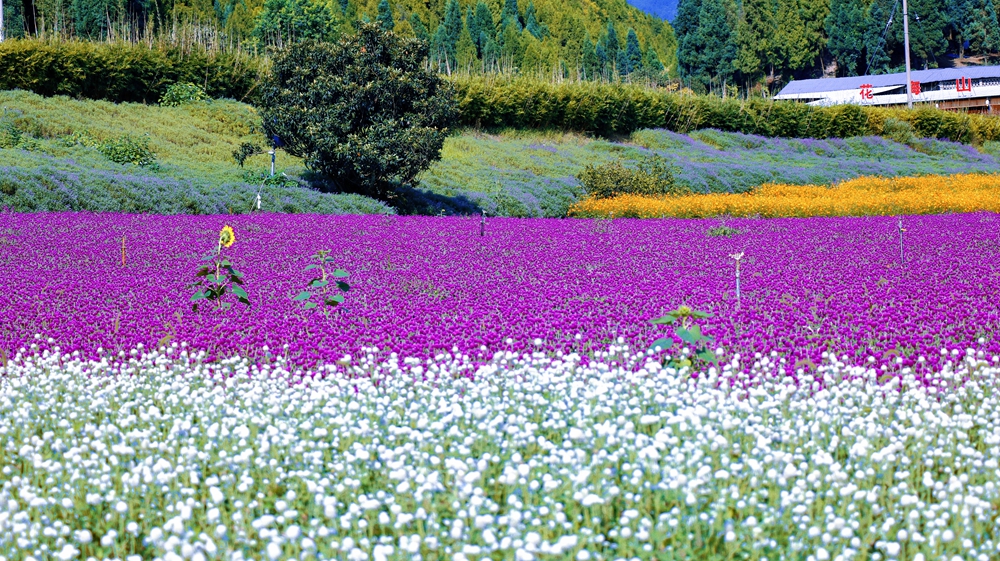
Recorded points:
(823, 85)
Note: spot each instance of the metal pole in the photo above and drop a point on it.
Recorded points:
(1, 22)
(272, 162)
(906, 51)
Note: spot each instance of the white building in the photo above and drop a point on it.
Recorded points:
(974, 89)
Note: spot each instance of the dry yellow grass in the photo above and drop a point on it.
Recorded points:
(865, 196)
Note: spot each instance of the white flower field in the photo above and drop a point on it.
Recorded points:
(536, 456)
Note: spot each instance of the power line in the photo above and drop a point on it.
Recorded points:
(881, 39)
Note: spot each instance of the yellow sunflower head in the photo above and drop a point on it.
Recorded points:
(227, 236)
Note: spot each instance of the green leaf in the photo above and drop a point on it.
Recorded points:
(697, 314)
(236, 280)
(311, 267)
(240, 293)
(213, 278)
(235, 273)
(341, 274)
(309, 305)
(664, 343)
(244, 300)
(665, 320)
(198, 296)
(303, 296)
(696, 331)
(318, 283)
(225, 263)
(707, 356)
(343, 286)
(334, 300)
(203, 271)
(686, 335)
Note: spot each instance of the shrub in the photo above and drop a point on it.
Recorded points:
(181, 93)
(121, 72)
(128, 149)
(898, 130)
(654, 177)
(364, 111)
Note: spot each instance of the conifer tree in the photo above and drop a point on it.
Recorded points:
(588, 60)
(651, 62)
(845, 31)
(632, 54)
(510, 16)
(983, 33)
(531, 23)
(419, 29)
(465, 51)
(754, 39)
(384, 18)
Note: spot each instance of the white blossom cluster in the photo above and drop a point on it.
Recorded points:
(163, 456)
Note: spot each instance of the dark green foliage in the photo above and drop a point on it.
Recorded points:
(246, 150)
(633, 54)
(706, 54)
(119, 73)
(723, 232)
(14, 20)
(531, 24)
(845, 29)
(384, 18)
(364, 112)
(419, 29)
(287, 21)
(128, 149)
(185, 92)
(654, 177)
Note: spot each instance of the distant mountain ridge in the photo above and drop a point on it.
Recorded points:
(666, 9)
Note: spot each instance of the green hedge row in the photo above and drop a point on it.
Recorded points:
(136, 73)
(609, 110)
(121, 72)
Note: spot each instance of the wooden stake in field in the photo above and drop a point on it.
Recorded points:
(899, 226)
(482, 225)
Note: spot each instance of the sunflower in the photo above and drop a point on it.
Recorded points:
(226, 236)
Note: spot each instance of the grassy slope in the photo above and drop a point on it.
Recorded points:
(193, 145)
(510, 173)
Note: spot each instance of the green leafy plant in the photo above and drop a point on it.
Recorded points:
(654, 177)
(218, 277)
(321, 285)
(723, 232)
(246, 150)
(684, 319)
(365, 111)
(128, 149)
(183, 92)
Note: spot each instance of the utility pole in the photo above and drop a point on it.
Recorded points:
(906, 51)
(1, 22)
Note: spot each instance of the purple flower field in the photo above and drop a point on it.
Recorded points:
(421, 286)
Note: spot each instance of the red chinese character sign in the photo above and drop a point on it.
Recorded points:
(866, 92)
(915, 88)
(963, 85)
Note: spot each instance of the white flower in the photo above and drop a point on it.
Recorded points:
(67, 552)
(121, 507)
